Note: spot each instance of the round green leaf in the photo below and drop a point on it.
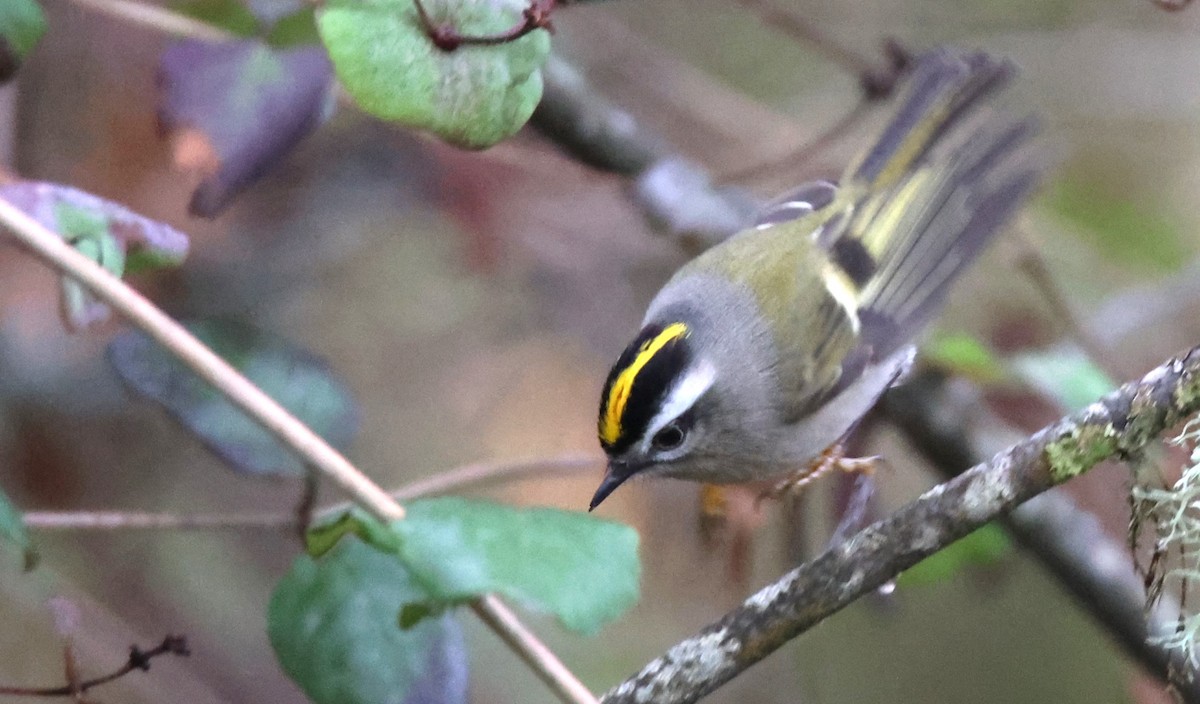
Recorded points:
(473, 96)
(580, 568)
(333, 625)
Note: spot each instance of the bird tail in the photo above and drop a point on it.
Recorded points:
(928, 197)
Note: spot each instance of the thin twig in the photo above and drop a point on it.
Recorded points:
(795, 26)
(541, 659)
(158, 18)
(877, 82)
(138, 660)
(309, 446)
(808, 151)
(1172, 5)
(139, 520)
(1121, 425)
(591, 128)
(487, 473)
(1033, 265)
(467, 476)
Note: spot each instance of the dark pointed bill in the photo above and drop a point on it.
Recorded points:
(614, 478)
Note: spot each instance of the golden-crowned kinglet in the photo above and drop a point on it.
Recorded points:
(768, 348)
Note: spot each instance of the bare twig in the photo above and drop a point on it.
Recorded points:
(808, 151)
(488, 473)
(138, 660)
(1121, 425)
(673, 192)
(1033, 265)
(541, 659)
(1069, 541)
(467, 476)
(877, 82)
(158, 18)
(309, 446)
(139, 520)
(591, 128)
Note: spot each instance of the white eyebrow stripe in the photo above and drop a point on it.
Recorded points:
(682, 397)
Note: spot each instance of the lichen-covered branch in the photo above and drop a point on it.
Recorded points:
(1118, 426)
(1067, 540)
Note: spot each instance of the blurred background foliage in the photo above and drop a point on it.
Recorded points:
(472, 303)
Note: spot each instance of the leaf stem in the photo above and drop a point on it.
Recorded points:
(51, 249)
(445, 37)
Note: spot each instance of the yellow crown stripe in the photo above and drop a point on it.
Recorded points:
(618, 395)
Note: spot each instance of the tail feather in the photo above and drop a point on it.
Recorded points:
(928, 200)
(945, 84)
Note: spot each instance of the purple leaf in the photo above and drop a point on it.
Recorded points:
(110, 234)
(249, 105)
(49, 203)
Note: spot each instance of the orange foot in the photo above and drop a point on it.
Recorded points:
(833, 457)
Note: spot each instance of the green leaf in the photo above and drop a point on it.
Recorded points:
(13, 531)
(963, 354)
(473, 96)
(582, 569)
(295, 378)
(1065, 375)
(332, 624)
(986, 546)
(1133, 234)
(22, 24)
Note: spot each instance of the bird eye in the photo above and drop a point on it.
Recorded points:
(668, 438)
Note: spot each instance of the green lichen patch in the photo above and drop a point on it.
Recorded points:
(1080, 450)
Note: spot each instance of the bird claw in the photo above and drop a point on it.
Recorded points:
(832, 458)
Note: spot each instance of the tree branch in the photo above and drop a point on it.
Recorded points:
(674, 193)
(1068, 541)
(1121, 425)
(471, 475)
(310, 447)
